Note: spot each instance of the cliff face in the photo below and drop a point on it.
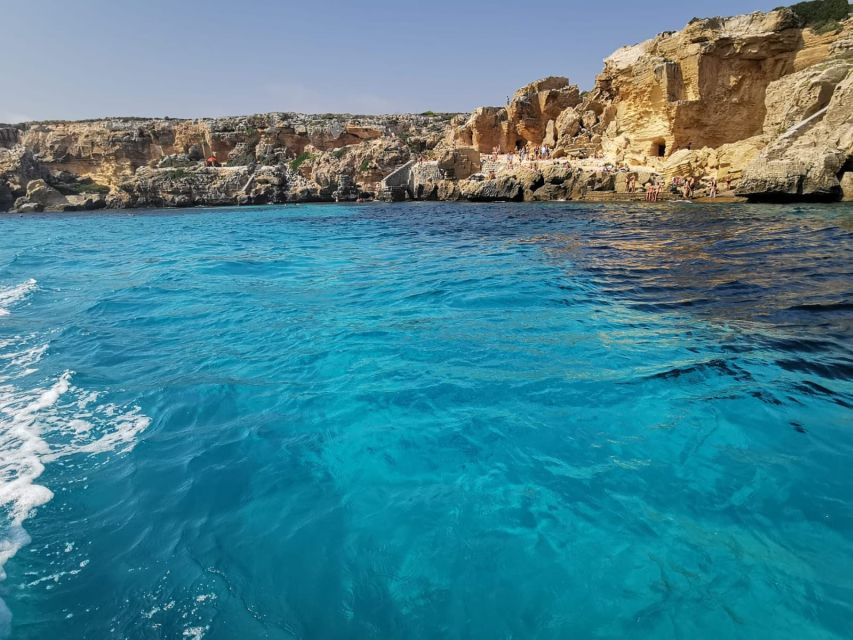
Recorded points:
(700, 87)
(160, 162)
(724, 97)
(760, 102)
(809, 128)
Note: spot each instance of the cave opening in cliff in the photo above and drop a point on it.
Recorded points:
(659, 148)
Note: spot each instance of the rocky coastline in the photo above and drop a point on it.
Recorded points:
(759, 104)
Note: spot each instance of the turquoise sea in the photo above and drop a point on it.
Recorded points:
(428, 421)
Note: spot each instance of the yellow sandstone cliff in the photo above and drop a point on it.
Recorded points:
(761, 102)
(724, 97)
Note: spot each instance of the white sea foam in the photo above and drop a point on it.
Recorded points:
(41, 425)
(11, 295)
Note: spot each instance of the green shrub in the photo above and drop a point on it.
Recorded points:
(822, 15)
(828, 27)
(339, 153)
(365, 165)
(429, 114)
(298, 160)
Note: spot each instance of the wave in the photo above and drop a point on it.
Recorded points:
(40, 426)
(11, 295)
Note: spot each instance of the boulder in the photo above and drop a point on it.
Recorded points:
(43, 195)
(568, 123)
(86, 202)
(846, 183)
(525, 119)
(486, 129)
(209, 186)
(534, 105)
(30, 207)
(549, 192)
(448, 190)
(18, 167)
(505, 187)
(589, 119)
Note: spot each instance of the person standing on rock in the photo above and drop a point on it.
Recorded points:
(713, 186)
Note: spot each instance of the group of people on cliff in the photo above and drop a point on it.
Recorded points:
(525, 153)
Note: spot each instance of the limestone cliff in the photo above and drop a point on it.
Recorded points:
(761, 102)
(758, 101)
(809, 125)
(277, 157)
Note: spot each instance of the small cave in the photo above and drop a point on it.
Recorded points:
(659, 148)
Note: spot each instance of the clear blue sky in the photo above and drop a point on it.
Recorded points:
(186, 58)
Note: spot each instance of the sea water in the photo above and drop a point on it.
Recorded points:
(428, 421)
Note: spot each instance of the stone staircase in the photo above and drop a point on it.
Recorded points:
(488, 166)
(395, 186)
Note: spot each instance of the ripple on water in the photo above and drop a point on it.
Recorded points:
(42, 424)
(435, 420)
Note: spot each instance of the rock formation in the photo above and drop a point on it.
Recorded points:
(278, 157)
(758, 101)
(761, 102)
(530, 116)
(809, 123)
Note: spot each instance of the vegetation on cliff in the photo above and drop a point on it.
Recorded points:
(822, 15)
